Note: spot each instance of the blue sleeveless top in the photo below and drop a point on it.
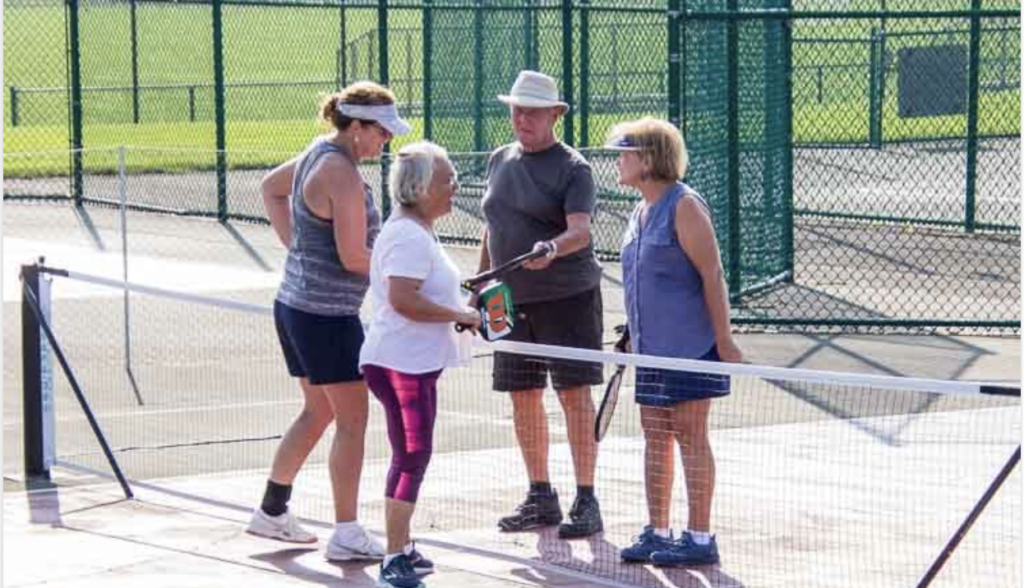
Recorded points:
(315, 281)
(664, 292)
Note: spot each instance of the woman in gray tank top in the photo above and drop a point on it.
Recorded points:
(676, 306)
(324, 213)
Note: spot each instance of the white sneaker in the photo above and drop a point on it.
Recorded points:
(284, 527)
(353, 543)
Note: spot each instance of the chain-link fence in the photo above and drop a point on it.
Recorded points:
(841, 146)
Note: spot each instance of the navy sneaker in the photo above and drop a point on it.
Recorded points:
(421, 565)
(399, 573)
(539, 510)
(647, 543)
(687, 552)
(584, 519)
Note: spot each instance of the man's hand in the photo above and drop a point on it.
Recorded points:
(540, 263)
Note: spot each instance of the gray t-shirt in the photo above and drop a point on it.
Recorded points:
(528, 197)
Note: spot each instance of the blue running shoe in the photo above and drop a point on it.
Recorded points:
(399, 573)
(647, 543)
(687, 552)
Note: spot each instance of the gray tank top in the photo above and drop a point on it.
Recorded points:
(315, 280)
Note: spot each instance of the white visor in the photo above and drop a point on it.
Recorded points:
(384, 114)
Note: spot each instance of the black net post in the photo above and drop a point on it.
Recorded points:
(34, 366)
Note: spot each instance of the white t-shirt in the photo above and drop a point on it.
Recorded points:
(405, 248)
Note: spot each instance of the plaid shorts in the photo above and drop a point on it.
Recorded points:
(576, 321)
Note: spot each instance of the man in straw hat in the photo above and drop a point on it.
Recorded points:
(541, 194)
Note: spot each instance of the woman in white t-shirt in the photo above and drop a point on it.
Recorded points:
(414, 287)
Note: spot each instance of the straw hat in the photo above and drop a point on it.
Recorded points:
(533, 89)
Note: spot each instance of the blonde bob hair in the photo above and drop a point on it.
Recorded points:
(659, 144)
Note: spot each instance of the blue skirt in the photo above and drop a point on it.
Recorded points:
(660, 387)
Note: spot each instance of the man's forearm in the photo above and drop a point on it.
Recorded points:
(572, 240)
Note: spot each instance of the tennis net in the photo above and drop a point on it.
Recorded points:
(822, 479)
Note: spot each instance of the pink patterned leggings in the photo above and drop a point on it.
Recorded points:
(410, 403)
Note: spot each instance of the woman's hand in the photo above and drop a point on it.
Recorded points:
(729, 351)
(469, 319)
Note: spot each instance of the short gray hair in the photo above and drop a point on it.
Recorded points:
(412, 171)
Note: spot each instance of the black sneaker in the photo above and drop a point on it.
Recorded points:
(399, 573)
(421, 565)
(539, 510)
(584, 519)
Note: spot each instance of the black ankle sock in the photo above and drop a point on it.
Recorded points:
(540, 487)
(585, 491)
(275, 498)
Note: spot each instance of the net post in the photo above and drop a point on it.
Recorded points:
(37, 385)
(961, 532)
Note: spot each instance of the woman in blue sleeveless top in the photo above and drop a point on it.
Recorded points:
(676, 306)
(324, 213)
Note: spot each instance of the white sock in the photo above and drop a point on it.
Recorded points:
(700, 537)
(408, 548)
(346, 527)
(665, 533)
(388, 558)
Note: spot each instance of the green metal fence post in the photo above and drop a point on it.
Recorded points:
(675, 59)
(342, 46)
(876, 83)
(973, 73)
(385, 76)
(219, 111)
(584, 73)
(14, 106)
(528, 38)
(733, 274)
(567, 85)
(135, 62)
(428, 70)
(534, 61)
(787, 150)
(478, 76)
(75, 112)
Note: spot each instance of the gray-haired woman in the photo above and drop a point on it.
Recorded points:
(414, 287)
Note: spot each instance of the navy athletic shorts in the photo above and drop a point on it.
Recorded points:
(323, 349)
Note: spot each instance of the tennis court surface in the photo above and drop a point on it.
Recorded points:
(821, 480)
